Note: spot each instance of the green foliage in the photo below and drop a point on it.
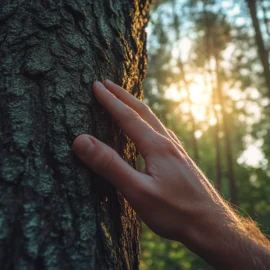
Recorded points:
(216, 31)
(162, 254)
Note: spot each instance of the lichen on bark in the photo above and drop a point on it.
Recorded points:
(54, 212)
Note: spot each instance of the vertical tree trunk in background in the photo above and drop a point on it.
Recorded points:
(265, 18)
(263, 53)
(55, 213)
(194, 141)
(217, 144)
(227, 135)
(208, 45)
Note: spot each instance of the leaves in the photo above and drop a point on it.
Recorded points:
(183, 46)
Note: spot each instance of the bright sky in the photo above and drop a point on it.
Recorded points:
(201, 96)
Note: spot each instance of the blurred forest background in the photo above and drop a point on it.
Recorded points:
(209, 81)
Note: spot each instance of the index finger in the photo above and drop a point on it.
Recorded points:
(145, 137)
(138, 106)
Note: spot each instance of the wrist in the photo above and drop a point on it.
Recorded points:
(209, 233)
(221, 238)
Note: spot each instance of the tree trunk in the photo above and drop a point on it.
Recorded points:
(193, 140)
(263, 53)
(265, 18)
(54, 212)
(227, 135)
(208, 46)
(217, 143)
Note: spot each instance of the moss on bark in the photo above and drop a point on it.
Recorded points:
(54, 212)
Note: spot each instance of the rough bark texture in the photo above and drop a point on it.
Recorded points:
(55, 213)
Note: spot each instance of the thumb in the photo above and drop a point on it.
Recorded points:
(106, 162)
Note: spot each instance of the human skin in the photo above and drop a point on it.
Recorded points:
(171, 195)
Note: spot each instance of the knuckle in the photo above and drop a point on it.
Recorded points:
(172, 134)
(170, 131)
(128, 116)
(167, 145)
(108, 160)
(144, 108)
(104, 158)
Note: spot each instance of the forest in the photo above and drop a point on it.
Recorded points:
(208, 80)
(202, 66)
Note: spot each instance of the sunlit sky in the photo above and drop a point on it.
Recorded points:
(200, 94)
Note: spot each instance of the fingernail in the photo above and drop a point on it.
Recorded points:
(108, 81)
(82, 145)
(99, 85)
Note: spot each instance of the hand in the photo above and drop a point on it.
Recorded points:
(171, 195)
(171, 192)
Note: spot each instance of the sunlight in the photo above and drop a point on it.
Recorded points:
(197, 99)
(197, 94)
(174, 93)
(252, 156)
(199, 104)
(212, 121)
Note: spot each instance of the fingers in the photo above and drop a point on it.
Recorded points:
(173, 136)
(142, 109)
(147, 140)
(176, 140)
(104, 161)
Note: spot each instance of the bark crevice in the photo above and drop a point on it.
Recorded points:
(54, 212)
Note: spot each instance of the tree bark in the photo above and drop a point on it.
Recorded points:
(54, 212)
(263, 53)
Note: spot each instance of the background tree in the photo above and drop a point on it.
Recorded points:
(262, 50)
(197, 51)
(54, 213)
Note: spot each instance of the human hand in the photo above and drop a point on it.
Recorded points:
(171, 193)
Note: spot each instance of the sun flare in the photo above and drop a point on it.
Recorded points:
(195, 98)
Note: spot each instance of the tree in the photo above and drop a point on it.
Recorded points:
(54, 213)
(265, 17)
(217, 35)
(262, 51)
(228, 63)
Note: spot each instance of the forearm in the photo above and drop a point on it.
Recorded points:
(171, 194)
(227, 241)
